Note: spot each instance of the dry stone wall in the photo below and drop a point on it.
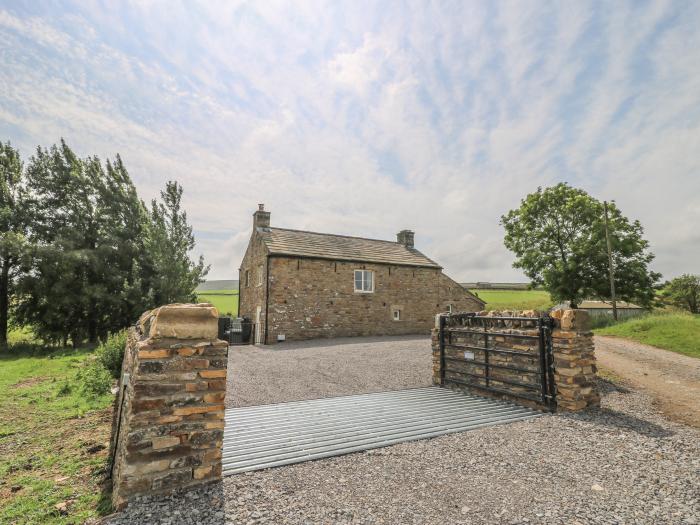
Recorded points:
(168, 425)
(573, 353)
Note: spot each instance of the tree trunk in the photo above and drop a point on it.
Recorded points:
(4, 301)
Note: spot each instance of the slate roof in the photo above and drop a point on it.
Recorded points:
(281, 241)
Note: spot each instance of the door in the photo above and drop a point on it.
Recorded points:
(258, 327)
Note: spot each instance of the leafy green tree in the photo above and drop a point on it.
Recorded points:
(98, 257)
(684, 292)
(58, 287)
(12, 229)
(558, 237)
(173, 276)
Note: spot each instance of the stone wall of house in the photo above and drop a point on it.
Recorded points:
(573, 352)
(312, 298)
(168, 424)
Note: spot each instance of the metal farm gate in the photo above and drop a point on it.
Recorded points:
(237, 331)
(510, 356)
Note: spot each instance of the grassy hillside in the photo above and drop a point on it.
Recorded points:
(226, 301)
(515, 299)
(677, 332)
(53, 439)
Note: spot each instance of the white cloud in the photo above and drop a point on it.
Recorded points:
(369, 119)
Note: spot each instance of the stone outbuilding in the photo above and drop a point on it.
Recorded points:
(303, 285)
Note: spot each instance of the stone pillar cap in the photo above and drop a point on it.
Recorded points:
(181, 321)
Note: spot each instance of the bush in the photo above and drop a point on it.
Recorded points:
(110, 353)
(94, 379)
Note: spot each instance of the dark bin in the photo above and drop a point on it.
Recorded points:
(224, 326)
(239, 331)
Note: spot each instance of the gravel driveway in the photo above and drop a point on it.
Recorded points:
(624, 463)
(326, 367)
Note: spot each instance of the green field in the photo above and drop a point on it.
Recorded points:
(677, 332)
(226, 301)
(53, 439)
(515, 299)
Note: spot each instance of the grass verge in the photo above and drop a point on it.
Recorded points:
(515, 299)
(677, 332)
(53, 439)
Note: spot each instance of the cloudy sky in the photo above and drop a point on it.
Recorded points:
(364, 118)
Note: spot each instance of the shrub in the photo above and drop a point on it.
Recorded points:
(94, 379)
(65, 389)
(110, 353)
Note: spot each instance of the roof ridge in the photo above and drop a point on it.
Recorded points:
(339, 235)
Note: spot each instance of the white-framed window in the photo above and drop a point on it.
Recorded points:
(260, 275)
(247, 278)
(364, 281)
(397, 314)
(449, 308)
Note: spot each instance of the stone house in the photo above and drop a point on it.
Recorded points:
(303, 285)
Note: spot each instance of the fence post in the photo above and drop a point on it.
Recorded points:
(442, 323)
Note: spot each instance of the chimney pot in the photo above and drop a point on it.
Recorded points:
(405, 237)
(261, 218)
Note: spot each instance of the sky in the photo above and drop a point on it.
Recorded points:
(366, 118)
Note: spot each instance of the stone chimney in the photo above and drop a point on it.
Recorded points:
(261, 218)
(405, 237)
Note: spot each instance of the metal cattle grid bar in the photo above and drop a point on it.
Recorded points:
(267, 436)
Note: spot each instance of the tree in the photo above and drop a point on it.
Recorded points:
(97, 257)
(684, 292)
(172, 275)
(558, 237)
(12, 229)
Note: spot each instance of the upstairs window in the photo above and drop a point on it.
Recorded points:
(247, 278)
(260, 275)
(397, 315)
(364, 281)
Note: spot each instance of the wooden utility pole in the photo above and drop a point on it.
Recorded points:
(610, 261)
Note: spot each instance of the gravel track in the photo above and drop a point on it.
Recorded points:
(673, 379)
(326, 367)
(624, 463)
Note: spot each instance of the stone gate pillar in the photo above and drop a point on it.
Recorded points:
(168, 424)
(574, 360)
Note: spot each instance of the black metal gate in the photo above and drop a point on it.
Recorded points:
(237, 331)
(510, 356)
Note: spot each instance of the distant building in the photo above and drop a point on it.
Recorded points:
(603, 308)
(303, 285)
(495, 286)
(225, 284)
